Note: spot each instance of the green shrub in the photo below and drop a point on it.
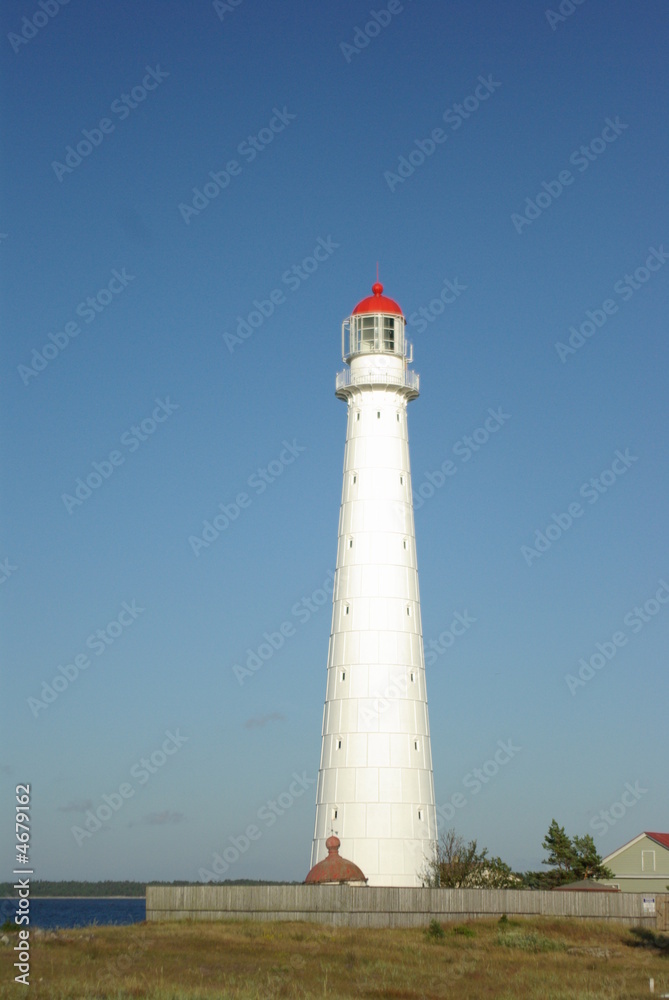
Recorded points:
(464, 931)
(530, 941)
(435, 932)
(646, 938)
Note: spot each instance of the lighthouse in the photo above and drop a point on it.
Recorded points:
(375, 784)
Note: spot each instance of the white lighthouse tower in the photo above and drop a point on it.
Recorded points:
(375, 785)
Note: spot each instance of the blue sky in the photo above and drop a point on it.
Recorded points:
(153, 381)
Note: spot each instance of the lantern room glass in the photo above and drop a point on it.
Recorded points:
(376, 333)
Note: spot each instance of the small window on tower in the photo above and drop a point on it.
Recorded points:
(338, 744)
(409, 612)
(378, 414)
(405, 543)
(401, 480)
(355, 479)
(398, 418)
(416, 744)
(420, 815)
(343, 675)
(350, 543)
(357, 416)
(413, 677)
(346, 609)
(335, 813)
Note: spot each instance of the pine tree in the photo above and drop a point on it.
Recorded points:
(588, 863)
(571, 859)
(561, 853)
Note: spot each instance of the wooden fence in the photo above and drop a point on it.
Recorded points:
(364, 906)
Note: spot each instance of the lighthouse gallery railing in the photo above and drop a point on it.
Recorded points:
(409, 379)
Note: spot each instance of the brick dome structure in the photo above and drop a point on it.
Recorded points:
(334, 870)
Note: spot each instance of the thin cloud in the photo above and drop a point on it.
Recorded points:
(262, 720)
(78, 806)
(164, 818)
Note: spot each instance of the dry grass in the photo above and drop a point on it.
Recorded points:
(532, 960)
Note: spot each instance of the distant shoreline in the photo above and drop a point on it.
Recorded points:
(79, 897)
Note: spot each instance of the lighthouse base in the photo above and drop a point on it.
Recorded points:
(385, 861)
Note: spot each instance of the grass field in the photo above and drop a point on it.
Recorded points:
(507, 960)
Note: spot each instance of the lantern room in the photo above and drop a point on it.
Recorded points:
(376, 326)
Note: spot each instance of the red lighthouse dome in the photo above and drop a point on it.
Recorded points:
(377, 303)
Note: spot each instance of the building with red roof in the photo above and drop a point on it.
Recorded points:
(640, 865)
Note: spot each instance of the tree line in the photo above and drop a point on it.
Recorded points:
(458, 864)
(455, 864)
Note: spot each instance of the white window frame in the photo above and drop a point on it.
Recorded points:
(644, 867)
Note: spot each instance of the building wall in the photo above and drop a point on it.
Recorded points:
(643, 885)
(386, 907)
(636, 869)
